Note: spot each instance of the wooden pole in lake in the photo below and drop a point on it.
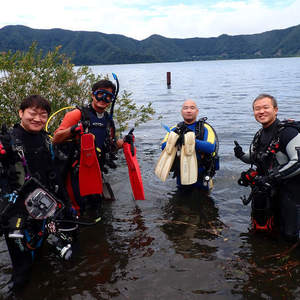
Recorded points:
(169, 80)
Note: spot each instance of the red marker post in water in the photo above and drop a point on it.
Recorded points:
(169, 80)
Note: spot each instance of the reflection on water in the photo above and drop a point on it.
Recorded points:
(191, 222)
(179, 245)
(265, 268)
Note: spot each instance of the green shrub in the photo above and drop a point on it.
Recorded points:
(53, 76)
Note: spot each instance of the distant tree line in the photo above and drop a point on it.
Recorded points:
(96, 48)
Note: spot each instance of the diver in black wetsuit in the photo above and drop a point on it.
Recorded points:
(26, 163)
(275, 151)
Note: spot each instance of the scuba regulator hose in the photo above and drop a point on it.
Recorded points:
(97, 220)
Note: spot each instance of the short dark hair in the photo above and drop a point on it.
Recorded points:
(36, 101)
(261, 96)
(104, 83)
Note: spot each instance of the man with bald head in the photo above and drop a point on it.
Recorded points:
(205, 146)
(189, 111)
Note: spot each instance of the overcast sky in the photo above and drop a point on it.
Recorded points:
(141, 18)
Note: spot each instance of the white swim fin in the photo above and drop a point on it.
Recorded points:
(188, 160)
(167, 157)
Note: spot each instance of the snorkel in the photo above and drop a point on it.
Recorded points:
(111, 128)
(115, 95)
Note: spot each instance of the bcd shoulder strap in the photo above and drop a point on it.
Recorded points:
(281, 125)
(255, 140)
(199, 129)
(85, 116)
(16, 140)
(289, 123)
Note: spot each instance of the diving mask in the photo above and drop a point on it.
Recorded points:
(104, 95)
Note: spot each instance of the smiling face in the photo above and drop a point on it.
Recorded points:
(100, 106)
(33, 119)
(264, 111)
(189, 111)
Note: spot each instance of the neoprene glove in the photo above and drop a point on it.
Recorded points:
(274, 174)
(238, 150)
(6, 151)
(2, 150)
(263, 181)
(182, 129)
(129, 138)
(77, 129)
(5, 141)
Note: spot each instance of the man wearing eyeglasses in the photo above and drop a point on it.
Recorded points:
(91, 119)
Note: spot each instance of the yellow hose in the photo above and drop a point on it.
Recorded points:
(55, 113)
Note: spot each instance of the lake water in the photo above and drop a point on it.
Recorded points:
(181, 246)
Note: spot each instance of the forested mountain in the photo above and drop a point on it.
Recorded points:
(96, 48)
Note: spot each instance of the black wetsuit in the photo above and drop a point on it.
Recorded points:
(275, 149)
(39, 165)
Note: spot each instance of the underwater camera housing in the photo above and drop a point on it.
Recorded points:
(40, 204)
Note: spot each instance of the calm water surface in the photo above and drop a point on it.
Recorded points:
(181, 246)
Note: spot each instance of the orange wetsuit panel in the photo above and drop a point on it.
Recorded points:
(71, 118)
